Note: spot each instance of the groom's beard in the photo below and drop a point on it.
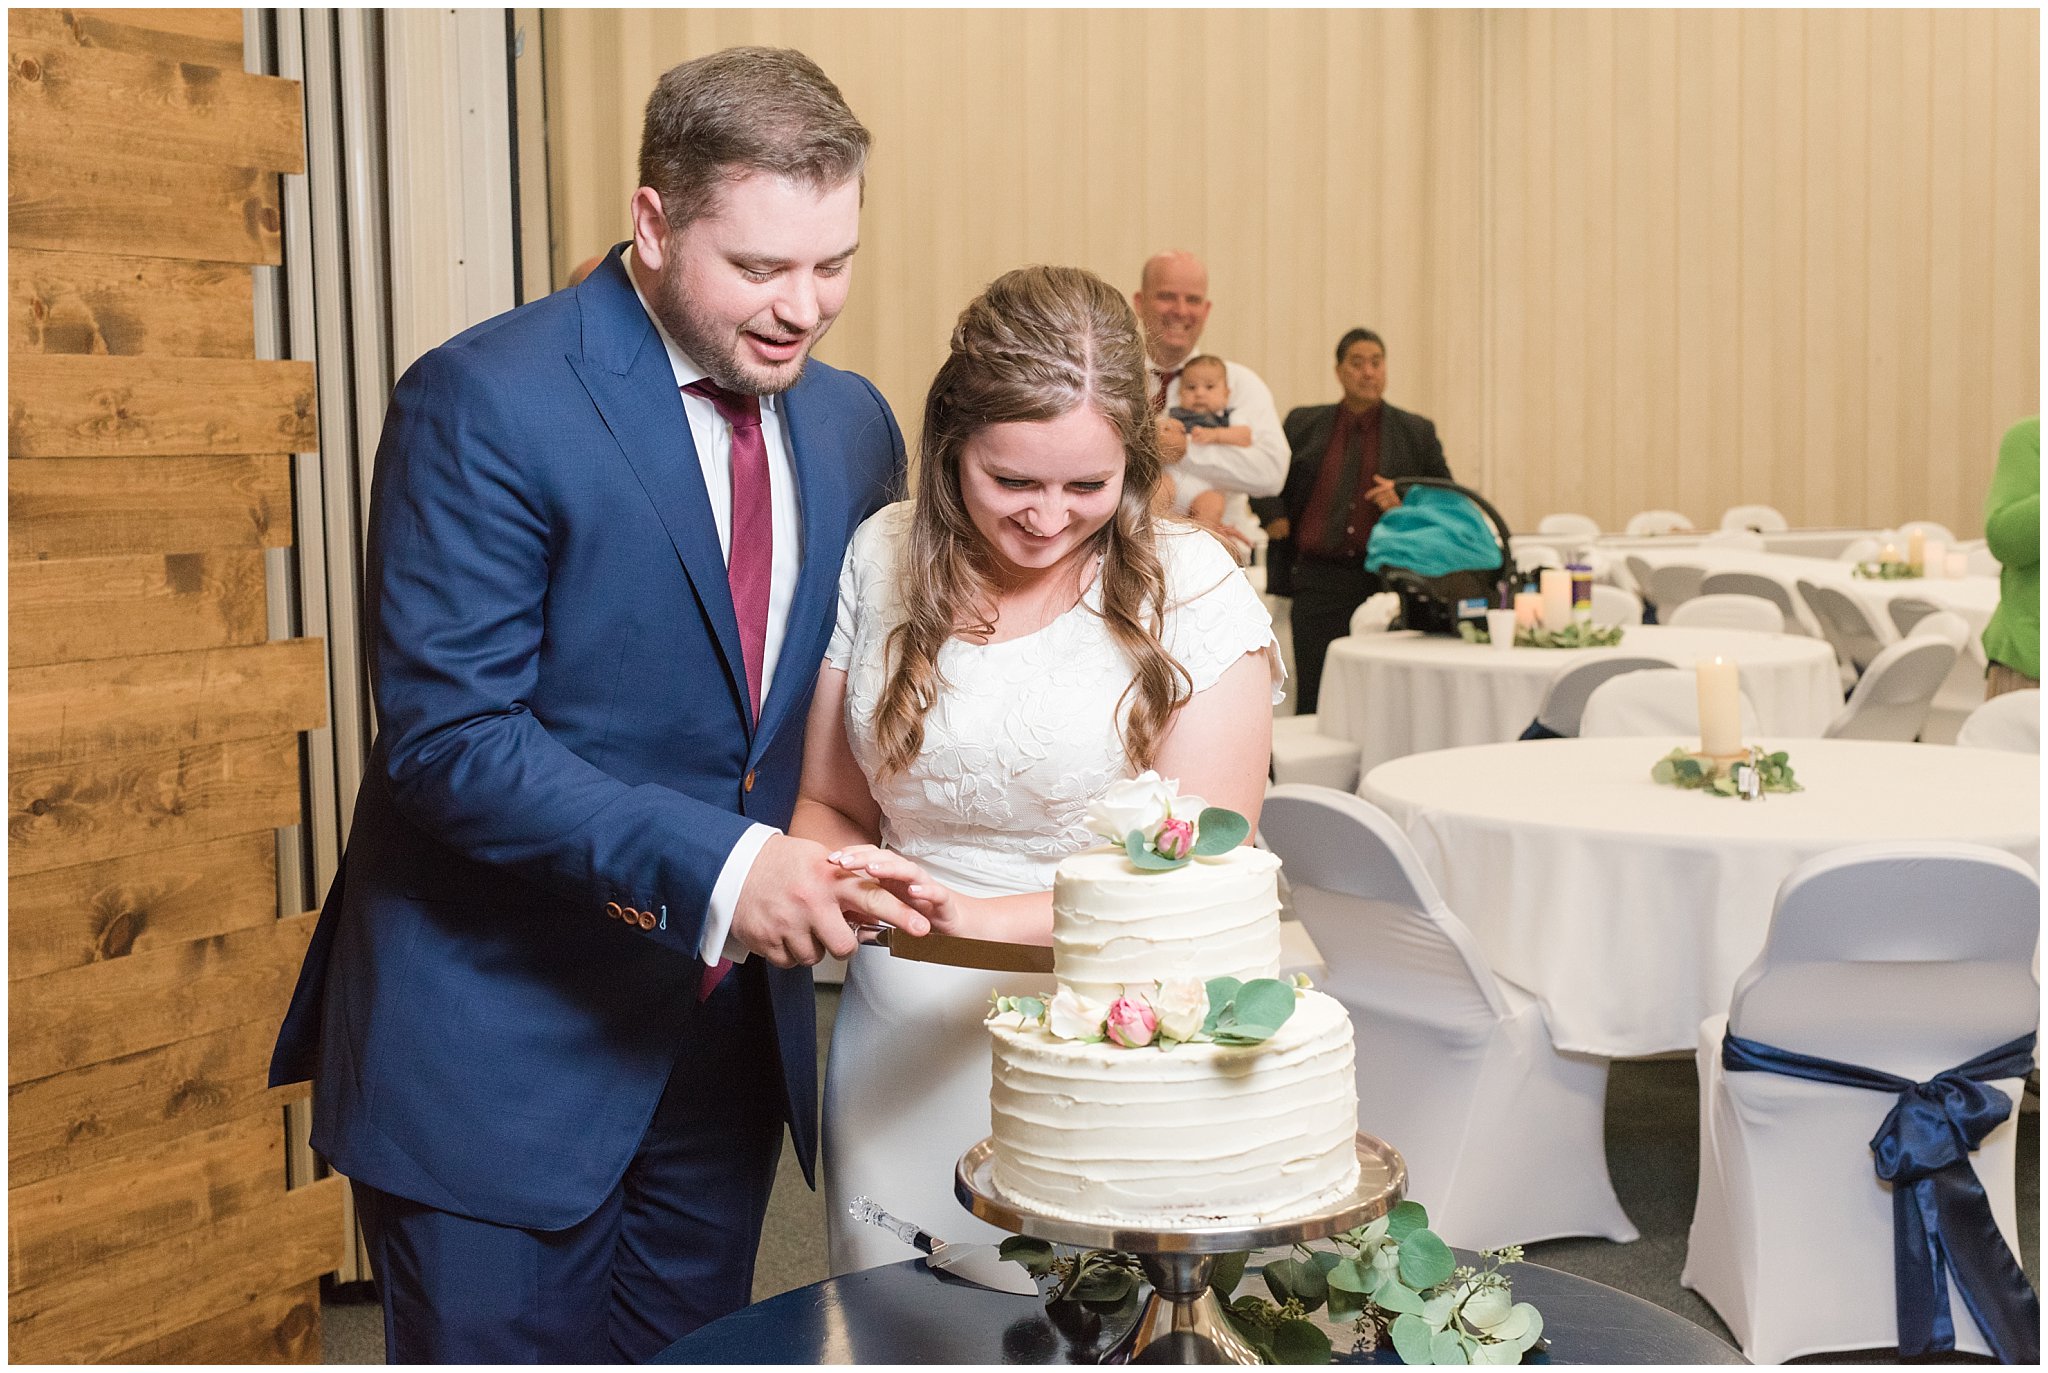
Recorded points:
(715, 344)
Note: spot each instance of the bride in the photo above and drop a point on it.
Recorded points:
(1010, 642)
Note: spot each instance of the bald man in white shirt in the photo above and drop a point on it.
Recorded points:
(1173, 305)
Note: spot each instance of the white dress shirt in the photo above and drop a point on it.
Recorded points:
(713, 439)
(1260, 470)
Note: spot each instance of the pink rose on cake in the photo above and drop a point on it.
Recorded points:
(1143, 803)
(1131, 1023)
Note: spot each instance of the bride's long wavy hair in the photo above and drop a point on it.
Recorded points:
(1037, 344)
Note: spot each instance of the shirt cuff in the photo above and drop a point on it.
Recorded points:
(717, 941)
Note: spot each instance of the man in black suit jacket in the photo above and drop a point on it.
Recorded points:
(1339, 481)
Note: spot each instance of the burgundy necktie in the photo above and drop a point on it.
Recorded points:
(750, 563)
(1165, 380)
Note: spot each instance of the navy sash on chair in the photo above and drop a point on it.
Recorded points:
(1941, 1218)
(1538, 730)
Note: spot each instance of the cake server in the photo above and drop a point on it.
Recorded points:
(975, 1263)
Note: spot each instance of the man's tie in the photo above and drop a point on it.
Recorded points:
(1165, 380)
(749, 565)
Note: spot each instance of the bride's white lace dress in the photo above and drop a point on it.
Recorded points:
(1021, 739)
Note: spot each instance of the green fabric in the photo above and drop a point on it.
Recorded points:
(2012, 530)
(1433, 532)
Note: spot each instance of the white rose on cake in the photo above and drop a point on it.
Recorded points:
(1073, 1016)
(1182, 1004)
(1141, 803)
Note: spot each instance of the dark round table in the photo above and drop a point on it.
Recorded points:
(904, 1313)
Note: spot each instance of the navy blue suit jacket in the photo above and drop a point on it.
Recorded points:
(562, 723)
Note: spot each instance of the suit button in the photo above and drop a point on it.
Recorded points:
(748, 785)
(614, 910)
(646, 920)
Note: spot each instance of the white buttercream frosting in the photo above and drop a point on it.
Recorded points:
(1192, 1135)
(1114, 925)
(1195, 1134)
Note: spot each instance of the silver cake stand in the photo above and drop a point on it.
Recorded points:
(1182, 1315)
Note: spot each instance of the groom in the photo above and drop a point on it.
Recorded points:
(605, 540)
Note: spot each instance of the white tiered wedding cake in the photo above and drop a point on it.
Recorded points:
(1154, 1088)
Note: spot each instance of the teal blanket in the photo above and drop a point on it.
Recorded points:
(1433, 532)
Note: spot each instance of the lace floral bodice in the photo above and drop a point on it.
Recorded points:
(1025, 734)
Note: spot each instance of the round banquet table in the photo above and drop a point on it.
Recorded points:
(1402, 693)
(1973, 597)
(904, 1313)
(1629, 908)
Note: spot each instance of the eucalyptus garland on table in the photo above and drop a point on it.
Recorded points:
(1886, 572)
(1393, 1279)
(1747, 778)
(1577, 634)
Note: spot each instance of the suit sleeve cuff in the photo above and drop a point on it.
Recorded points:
(717, 941)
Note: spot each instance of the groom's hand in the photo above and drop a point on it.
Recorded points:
(796, 906)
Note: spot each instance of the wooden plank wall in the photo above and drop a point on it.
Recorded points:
(153, 728)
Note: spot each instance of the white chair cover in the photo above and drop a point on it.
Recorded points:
(1302, 753)
(1502, 1134)
(1656, 522)
(1614, 606)
(1945, 625)
(1774, 589)
(1726, 611)
(1892, 699)
(1747, 539)
(1564, 702)
(1637, 573)
(1579, 526)
(1907, 959)
(1375, 613)
(1664, 700)
(1907, 611)
(2011, 722)
(1671, 586)
(1856, 638)
(1929, 529)
(1860, 551)
(1981, 561)
(1759, 517)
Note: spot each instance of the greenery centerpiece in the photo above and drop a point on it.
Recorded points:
(1748, 777)
(1393, 1279)
(1893, 571)
(1577, 634)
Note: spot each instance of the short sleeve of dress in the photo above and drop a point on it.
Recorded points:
(869, 567)
(1213, 616)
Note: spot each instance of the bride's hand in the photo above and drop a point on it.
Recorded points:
(905, 880)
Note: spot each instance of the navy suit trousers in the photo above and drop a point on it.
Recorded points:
(651, 1264)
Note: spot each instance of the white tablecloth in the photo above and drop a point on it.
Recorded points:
(1630, 908)
(1397, 694)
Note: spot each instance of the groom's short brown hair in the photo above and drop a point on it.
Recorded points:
(723, 115)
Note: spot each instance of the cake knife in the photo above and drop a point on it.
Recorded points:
(975, 1263)
(960, 952)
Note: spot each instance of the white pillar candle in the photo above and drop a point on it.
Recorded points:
(1934, 558)
(1720, 707)
(1958, 565)
(1889, 554)
(1528, 609)
(1916, 548)
(1555, 587)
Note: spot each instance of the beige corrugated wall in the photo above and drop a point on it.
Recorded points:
(1624, 259)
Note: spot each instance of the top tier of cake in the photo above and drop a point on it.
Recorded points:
(1114, 925)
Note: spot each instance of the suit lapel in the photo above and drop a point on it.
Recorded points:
(627, 374)
(821, 491)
